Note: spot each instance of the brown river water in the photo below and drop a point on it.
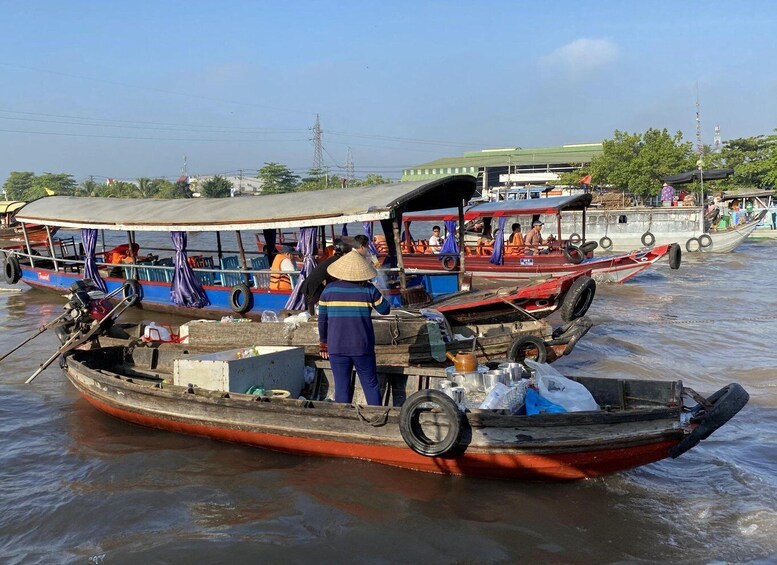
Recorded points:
(78, 486)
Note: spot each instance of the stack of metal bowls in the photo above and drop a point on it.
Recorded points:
(516, 371)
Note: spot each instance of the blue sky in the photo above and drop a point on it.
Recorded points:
(127, 89)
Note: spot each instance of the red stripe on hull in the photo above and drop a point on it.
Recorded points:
(566, 466)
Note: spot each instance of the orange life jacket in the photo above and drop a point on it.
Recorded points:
(279, 281)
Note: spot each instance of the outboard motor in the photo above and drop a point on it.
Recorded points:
(86, 303)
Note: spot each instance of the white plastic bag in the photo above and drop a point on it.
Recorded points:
(560, 390)
(269, 316)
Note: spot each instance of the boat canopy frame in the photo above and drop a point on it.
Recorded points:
(551, 205)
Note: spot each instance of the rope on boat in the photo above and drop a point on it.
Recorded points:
(376, 422)
(684, 322)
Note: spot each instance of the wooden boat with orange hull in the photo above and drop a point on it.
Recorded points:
(639, 422)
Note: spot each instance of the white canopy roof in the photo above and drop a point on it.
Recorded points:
(289, 210)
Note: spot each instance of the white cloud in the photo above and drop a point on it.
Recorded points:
(580, 58)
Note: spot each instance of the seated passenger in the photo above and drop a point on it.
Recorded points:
(435, 241)
(283, 262)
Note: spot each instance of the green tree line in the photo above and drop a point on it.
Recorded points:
(637, 162)
(276, 178)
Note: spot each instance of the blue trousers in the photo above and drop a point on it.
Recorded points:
(366, 368)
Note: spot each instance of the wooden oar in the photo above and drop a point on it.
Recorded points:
(40, 331)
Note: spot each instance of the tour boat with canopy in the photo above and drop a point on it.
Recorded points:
(219, 283)
(495, 258)
(12, 233)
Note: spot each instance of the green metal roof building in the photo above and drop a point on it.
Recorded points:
(510, 166)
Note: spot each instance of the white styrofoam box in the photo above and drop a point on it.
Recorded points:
(273, 367)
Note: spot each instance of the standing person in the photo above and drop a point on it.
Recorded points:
(361, 244)
(345, 330)
(667, 194)
(435, 241)
(314, 284)
(283, 262)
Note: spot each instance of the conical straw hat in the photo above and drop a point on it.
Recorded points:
(352, 267)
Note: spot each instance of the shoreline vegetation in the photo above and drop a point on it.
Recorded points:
(633, 163)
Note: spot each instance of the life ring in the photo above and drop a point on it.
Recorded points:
(573, 254)
(240, 298)
(605, 242)
(12, 272)
(412, 431)
(450, 262)
(517, 353)
(648, 239)
(724, 405)
(675, 256)
(575, 238)
(132, 291)
(588, 247)
(688, 245)
(705, 241)
(578, 298)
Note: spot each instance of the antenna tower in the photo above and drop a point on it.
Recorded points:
(318, 153)
(717, 138)
(183, 169)
(349, 173)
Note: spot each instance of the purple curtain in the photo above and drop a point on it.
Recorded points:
(89, 239)
(307, 246)
(345, 230)
(368, 232)
(498, 255)
(449, 246)
(186, 289)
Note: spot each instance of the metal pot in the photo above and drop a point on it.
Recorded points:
(491, 378)
(516, 371)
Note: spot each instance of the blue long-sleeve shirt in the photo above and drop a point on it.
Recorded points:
(344, 322)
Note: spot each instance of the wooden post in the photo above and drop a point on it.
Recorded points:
(400, 260)
(219, 251)
(583, 234)
(27, 244)
(462, 249)
(51, 249)
(558, 228)
(243, 264)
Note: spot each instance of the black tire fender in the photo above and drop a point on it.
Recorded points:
(578, 298)
(573, 254)
(648, 239)
(520, 344)
(575, 238)
(132, 291)
(705, 241)
(449, 262)
(605, 242)
(693, 242)
(238, 291)
(413, 433)
(588, 247)
(726, 403)
(675, 256)
(12, 272)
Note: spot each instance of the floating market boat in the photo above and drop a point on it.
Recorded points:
(12, 233)
(502, 261)
(638, 421)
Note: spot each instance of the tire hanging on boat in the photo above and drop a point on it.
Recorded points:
(725, 403)
(589, 247)
(705, 241)
(240, 298)
(517, 353)
(648, 239)
(11, 270)
(605, 242)
(693, 242)
(575, 238)
(578, 298)
(133, 291)
(450, 262)
(412, 431)
(573, 254)
(675, 256)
